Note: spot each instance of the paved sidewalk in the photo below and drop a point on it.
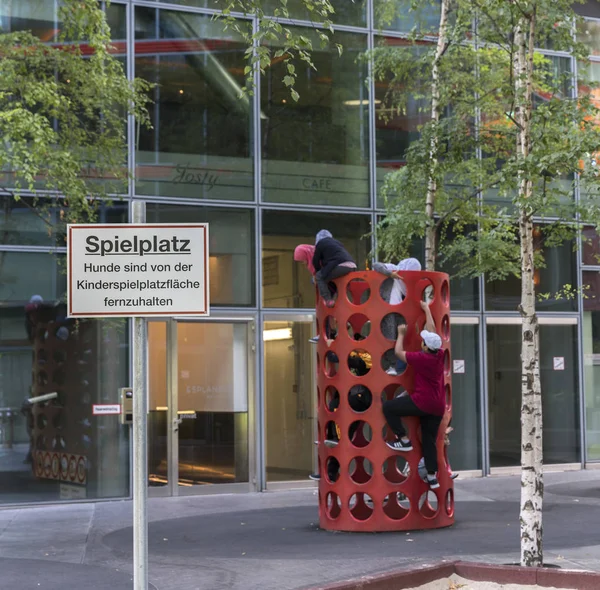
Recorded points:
(271, 541)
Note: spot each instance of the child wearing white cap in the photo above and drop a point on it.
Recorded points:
(428, 400)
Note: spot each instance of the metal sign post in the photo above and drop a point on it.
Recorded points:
(138, 270)
(140, 438)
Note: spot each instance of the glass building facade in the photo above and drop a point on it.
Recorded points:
(233, 398)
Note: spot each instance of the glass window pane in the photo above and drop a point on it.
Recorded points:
(212, 402)
(316, 150)
(588, 32)
(591, 362)
(560, 270)
(56, 449)
(231, 249)
(559, 79)
(347, 12)
(590, 252)
(395, 128)
(200, 142)
(560, 393)
(291, 417)
(287, 283)
(464, 451)
(400, 15)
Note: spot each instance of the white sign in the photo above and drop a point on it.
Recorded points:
(105, 409)
(558, 363)
(136, 270)
(459, 366)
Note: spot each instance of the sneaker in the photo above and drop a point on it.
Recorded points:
(315, 476)
(453, 475)
(316, 442)
(331, 443)
(432, 482)
(314, 339)
(399, 445)
(392, 371)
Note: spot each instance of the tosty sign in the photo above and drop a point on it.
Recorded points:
(127, 270)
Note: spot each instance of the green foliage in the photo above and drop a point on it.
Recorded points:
(273, 40)
(63, 111)
(478, 168)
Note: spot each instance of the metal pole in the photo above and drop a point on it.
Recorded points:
(140, 438)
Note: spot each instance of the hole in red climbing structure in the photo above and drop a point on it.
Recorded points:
(332, 364)
(395, 469)
(447, 362)
(358, 291)
(361, 506)
(331, 328)
(448, 395)
(389, 325)
(392, 391)
(332, 398)
(360, 398)
(333, 470)
(333, 291)
(360, 470)
(360, 433)
(391, 364)
(332, 434)
(428, 292)
(446, 327)
(445, 293)
(333, 505)
(392, 291)
(318, 396)
(359, 362)
(450, 502)
(358, 326)
(428, 504)
(396, 506)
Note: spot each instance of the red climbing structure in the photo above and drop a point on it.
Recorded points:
(366, 486)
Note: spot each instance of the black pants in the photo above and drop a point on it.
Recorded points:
(322, 281)
(393, 411)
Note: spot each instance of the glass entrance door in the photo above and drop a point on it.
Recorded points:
(200, 405)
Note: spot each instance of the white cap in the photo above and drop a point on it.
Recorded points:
(432, 340)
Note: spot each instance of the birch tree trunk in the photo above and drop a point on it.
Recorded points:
(430, 230)
(532, 486)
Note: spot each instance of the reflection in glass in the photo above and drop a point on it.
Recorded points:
(199, 145)
(560, 271)
(315, 151)
(232, 259)
(591, 362)
(406, 16)
(212, 361)
(212, 396)
(395, 128)
(559, 394)
(158, 457)
(588, 32)
(347, 12)
(464, 451)
(54, 448)
(287, 283)
(290, 400)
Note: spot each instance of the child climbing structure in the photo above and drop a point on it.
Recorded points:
(365, 485)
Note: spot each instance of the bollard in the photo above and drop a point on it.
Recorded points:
(365, 486)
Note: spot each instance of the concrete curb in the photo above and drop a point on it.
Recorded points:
(502, 574)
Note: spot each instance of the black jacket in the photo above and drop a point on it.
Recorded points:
(329, 253)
